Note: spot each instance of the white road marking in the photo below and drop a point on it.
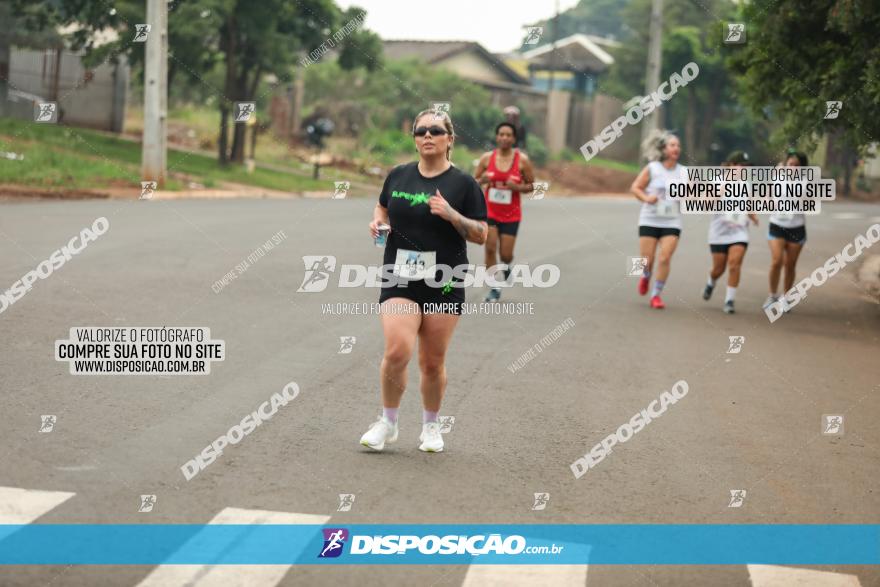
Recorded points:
(231, 575)
(777, 576)
(847, 215)
(525, 575)
(75, 468)
(23, 506)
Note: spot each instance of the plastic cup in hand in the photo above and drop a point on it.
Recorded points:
(382, 238)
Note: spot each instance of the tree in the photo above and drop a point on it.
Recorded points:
(247, 39)
(800, 54)
(264, 37)
(360, 48)
(591, 17)
(707, 112)
(390, 96)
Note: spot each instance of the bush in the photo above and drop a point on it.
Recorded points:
(463, 158)
(566, 155)
(387, 144)
(537, 151)
(475, 125)
(390, 97)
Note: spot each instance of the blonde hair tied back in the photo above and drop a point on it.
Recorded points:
(654, 143)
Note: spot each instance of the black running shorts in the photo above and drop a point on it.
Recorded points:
(657, 232)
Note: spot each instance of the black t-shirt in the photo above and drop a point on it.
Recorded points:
(413, 227)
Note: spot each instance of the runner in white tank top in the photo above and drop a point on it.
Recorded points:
(659, 218)
(786, 236)
(728, 240)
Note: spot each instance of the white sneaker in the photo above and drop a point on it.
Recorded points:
(770, 301)
(432, 440)
(380, 432)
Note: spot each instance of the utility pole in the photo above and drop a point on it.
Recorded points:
(5, 45)
(554, 37)
(155, 94)
(652, 75)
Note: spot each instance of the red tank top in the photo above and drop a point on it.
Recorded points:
(496, 194)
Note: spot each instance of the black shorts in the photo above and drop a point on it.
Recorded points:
(723, 248)
(510, 228)
(792, 235)
(657, 232)
(431, 300)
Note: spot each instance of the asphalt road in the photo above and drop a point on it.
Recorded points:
(751, 420)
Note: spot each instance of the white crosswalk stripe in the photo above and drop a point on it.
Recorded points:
(777, 576)
(523, 575)
(231, 575)
(847, 215)
(23, 506)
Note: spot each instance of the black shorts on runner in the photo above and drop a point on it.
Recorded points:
(657, 232)
(510, 228)
(793, 235)
(723, 248)
(431, 300)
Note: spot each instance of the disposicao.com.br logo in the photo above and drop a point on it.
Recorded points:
(430, 544)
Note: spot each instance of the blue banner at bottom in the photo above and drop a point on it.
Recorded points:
(608, 544)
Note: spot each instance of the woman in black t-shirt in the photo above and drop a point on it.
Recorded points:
(433, 209)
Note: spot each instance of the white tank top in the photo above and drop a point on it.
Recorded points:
(660, 177)
(788, 220)
(724, 230)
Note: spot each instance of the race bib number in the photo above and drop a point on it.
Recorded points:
(499, 196)
(414, 264)
(738, 218)
(667, 209)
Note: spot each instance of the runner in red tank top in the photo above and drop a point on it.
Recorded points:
(504, 174)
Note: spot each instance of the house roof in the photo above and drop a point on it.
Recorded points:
(436, 51)
(577, 52)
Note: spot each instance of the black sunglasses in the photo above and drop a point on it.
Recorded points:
(435, 131)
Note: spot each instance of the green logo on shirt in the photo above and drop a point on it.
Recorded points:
(420, 198)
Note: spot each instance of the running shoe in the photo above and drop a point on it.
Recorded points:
(657, 303)
(380, 432)
(494, 294)
(770, 301)
(643, 285)
(707, 291)
(728, 307)
(432, 440)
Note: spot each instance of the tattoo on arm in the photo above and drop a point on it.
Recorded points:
(469, 229)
